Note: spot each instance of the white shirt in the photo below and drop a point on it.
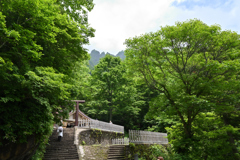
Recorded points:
(60, 133)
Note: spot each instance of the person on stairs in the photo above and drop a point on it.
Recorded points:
(60, 132)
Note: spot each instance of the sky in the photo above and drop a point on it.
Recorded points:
(117, 20)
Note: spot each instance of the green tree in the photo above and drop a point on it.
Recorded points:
(145, 95)
(108, 76)
(115, 95)
(40, 44)
(80, 77)
(130, 107)
(192, 66)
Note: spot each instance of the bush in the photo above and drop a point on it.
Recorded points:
(150, 152)
(83, 142)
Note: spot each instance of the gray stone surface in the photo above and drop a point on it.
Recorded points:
(91, 137)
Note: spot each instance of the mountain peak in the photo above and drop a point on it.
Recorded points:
(96, 56)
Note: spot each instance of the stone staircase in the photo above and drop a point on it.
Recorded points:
(116, 152)
(64, 149)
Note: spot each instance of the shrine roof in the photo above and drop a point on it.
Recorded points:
(81, 113)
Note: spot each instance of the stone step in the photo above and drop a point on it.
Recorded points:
(61, 159)
(117, 157)
(116, 149)
(120, 147)
(60, 156)
(113, 150)
(62, 153)
(62, 150)
(117, 146)
(60, 146)
(116, 152)
(53, 156)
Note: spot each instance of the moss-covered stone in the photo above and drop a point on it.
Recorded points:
(97, 152)
(94, 136)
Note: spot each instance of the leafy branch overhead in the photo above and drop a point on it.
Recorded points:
(41, 43)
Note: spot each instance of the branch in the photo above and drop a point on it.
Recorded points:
(3, 44)
(26, 20)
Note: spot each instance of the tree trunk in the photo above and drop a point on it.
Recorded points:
(110, 114)
(184, 149)
(230, 137)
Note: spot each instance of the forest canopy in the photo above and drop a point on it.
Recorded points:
(182, 79)
(41, 43)
(195, 70)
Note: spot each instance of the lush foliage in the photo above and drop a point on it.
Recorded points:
(114, 96)
(150, 152)
(40, 44)
(195, 69)
(187, 73)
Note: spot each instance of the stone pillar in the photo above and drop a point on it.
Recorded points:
(76, 115)
(77, 110)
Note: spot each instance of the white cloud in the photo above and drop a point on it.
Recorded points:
(226, 17)
(117, 20)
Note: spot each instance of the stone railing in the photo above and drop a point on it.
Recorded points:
(121, 141)
(95, 124)
(146, 137)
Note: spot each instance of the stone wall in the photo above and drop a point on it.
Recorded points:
(95, 136)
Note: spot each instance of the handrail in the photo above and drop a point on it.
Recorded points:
(120, 141)
(96, 124)
(147, 137)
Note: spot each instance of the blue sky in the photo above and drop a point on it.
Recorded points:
(117, 20)
(190, 4)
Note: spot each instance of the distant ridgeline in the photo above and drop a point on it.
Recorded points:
(96, 55)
